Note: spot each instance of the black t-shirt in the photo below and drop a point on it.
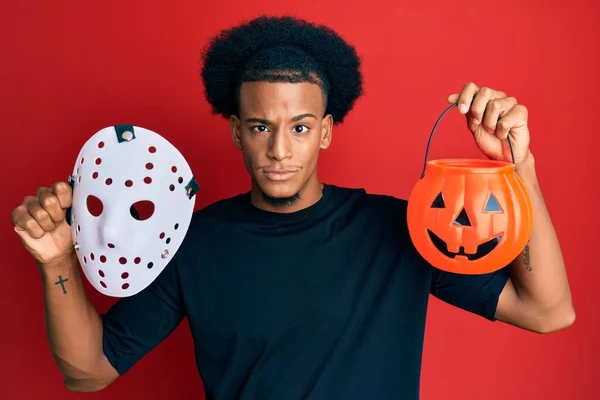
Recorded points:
(325, 303)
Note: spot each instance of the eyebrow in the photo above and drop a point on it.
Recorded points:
(296, 118)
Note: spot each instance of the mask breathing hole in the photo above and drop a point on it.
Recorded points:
(142, 210)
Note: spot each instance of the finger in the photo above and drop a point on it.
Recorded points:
(466, 97)
(39, 214)
(479, 104)
(515, 120)
(62, 190)
(51, 204)
(24, 222)
(496, 109)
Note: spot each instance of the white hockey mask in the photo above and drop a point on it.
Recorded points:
(133, 200)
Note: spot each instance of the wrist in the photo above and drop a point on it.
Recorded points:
(527, 172)
(526, 165)
(62, 265)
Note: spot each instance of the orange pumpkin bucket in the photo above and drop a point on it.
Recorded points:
(469, 216)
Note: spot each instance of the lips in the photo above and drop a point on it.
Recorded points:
(482, 250)
(280, 175)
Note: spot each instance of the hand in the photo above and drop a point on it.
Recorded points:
(491, 117)
(40, 223)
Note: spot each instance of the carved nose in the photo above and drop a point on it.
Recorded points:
(462, 219)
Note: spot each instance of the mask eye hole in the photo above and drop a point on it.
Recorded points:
(438, 202)
(142, 210)
(492, 205)
(94, 205)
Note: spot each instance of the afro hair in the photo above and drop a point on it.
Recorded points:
(281, 49)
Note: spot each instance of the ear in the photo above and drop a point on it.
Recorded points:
(236, 131)
(326, 131)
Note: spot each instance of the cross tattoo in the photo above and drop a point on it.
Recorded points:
(61, 282)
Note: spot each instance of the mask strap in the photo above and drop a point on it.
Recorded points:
(192, 188)
(68, 215)
(125, 133)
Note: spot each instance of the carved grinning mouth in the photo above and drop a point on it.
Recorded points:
(482, 250)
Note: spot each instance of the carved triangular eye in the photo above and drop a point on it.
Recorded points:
(462, 219)
(438, 202)
(492, 204)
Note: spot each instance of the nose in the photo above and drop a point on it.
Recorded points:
(462, 219)
(111, 227)
(280, 146)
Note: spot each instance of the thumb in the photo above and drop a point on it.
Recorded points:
(24, 236)
(453, 98)
(62, 190)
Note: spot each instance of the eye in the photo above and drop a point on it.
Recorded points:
(438, 202)
(142, 210)
(298, 129)
(492, 204)
(259, 128)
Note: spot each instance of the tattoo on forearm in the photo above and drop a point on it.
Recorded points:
(526, 259)
(61, 282)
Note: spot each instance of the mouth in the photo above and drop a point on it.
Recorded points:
(482, 250)
(280, 175)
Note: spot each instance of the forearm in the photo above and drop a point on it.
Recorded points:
(539, 274)
(73, 325)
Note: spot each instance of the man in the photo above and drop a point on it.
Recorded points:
(296, 289)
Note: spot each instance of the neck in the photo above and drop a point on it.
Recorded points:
(309, 194)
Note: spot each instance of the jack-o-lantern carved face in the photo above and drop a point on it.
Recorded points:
(469, 220)
(461, 221)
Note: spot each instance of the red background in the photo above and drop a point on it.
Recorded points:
(70, 69)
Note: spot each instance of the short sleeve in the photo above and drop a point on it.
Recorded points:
(135, 325)
(477, 294)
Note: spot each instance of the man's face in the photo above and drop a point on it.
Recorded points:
(280, 130)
